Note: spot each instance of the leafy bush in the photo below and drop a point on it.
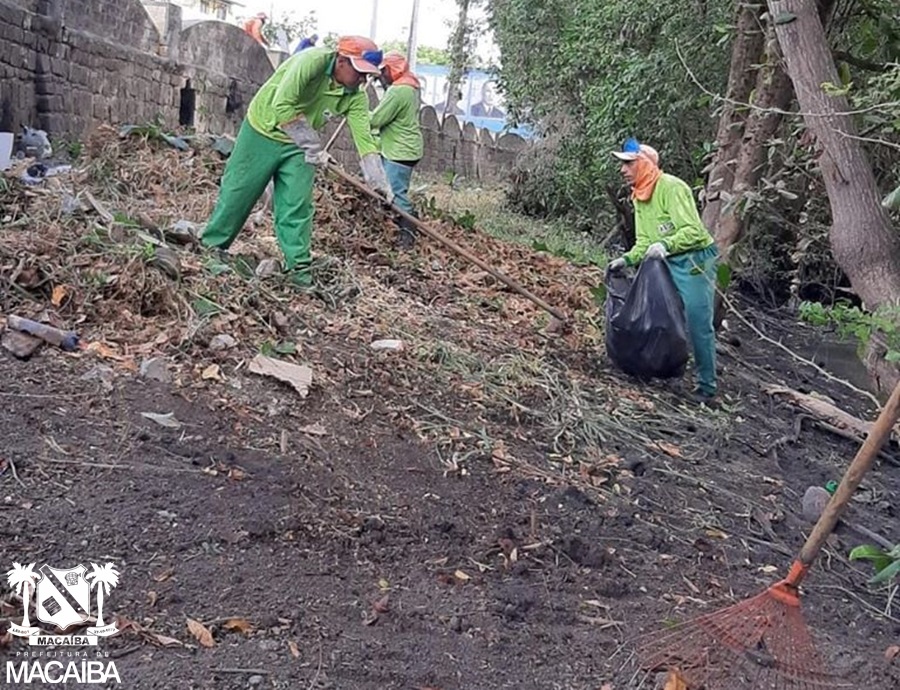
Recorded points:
(886, 563)
(590, 74)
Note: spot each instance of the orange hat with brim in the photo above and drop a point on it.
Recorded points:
(364, 55)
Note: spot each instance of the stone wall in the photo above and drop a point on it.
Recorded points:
(465, 150)
(68, 65)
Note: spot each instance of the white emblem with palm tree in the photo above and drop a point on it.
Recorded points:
(61, 598)
(104, 578)
(22, 580)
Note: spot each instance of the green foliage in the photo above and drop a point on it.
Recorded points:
(294, 26)
(590, 74)
(886, 563)
(851, 321)
(425, 55)
(74, 149)
(464, 219)
(723, 276)
(282, 347)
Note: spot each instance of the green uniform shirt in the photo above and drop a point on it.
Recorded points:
(303, 85)
(397, 120)
(670, 216)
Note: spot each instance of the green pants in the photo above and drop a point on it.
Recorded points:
(694, 274)
(254, 161)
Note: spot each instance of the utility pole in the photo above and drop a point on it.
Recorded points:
(374, 25)
(413, 43)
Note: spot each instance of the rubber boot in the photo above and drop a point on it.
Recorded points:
(406, 234)
(301, 276)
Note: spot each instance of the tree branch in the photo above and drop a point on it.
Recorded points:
(862, 63)
(724, 99)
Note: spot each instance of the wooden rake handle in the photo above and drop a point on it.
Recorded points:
(862, 463)
(450, 244)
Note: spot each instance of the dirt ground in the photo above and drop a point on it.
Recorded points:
(358, 560)
(491, 507)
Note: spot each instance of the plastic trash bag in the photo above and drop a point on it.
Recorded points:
(646, 333)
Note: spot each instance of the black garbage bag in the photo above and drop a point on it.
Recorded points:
(646, 334)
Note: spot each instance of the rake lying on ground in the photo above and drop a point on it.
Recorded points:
(763, 643)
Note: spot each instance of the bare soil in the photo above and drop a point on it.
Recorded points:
(492, 507)
(359, 560)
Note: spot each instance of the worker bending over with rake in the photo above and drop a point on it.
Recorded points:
(396, 119)
(668, 226)
(278, 140)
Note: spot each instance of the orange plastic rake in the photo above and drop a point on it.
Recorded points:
(763, 643)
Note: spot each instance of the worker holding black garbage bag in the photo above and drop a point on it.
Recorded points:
(668, 235)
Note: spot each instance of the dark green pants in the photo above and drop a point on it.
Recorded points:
(254, 161)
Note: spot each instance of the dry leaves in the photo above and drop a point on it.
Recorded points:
(201, 633)
(241, 625)
(669, 449)
(212, 373)
(675, 681)
(295, 650)
(58, 295)
(165, 575)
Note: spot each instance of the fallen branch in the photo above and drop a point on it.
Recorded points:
(836, 418)
(803, 360)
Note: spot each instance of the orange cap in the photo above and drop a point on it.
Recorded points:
(395, 64)
(363, 53)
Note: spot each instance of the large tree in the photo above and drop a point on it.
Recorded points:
(864, 243)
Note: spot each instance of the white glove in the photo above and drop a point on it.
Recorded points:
(320, 158)
(657, 250)
(617, 264)
(374, 175)
(305, 137)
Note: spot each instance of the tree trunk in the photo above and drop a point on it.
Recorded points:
(863, 242)
(745, 55)
(458, 56)
(772, 91)
(865, 245)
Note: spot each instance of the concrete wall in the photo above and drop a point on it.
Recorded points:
(69, 65)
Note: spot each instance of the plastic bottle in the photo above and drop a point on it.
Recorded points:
(65, 340)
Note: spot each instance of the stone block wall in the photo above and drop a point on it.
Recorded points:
(67, 66)
(467, 151)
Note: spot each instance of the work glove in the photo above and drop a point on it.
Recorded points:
(302, 134)
(374, 175)
(657, 250)
(617, 264)
(321, 159)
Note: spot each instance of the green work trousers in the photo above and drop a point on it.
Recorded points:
(254, 161)
(694, 274)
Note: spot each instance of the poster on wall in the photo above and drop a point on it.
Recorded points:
(478, 99)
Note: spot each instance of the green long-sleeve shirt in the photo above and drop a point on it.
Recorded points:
(397, 120)
(303, 85)
(670, 216)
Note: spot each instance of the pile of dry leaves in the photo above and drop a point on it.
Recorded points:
(108, 249)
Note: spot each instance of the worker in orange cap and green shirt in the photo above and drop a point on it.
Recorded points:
(278, 139)
(667, 226)
(396, 119)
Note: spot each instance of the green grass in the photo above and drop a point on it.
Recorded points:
(483, 206)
